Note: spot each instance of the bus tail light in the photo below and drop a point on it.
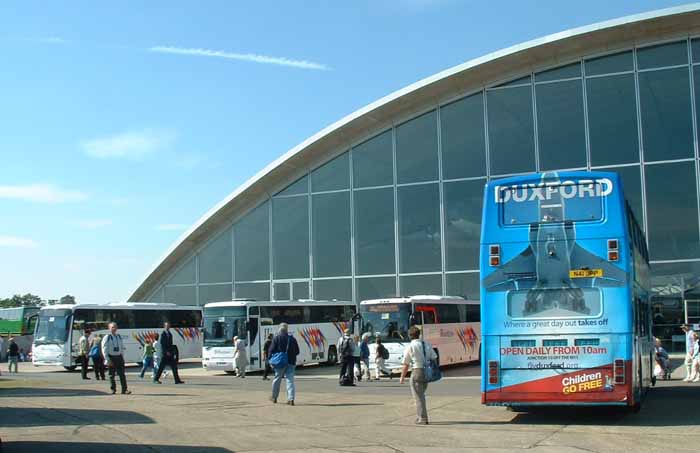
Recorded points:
(619, 370)
(495, 255)
(493, 371)
(613, 250)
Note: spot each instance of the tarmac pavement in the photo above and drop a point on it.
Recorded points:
(53, 411)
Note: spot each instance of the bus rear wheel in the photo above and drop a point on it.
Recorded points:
(332, 356)
(71, 368)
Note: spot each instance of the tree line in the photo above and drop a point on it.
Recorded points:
(32, 300)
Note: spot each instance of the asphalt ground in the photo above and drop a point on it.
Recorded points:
(50, 410)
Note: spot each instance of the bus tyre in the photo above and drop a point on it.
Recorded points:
(332, 356)
(71, 368)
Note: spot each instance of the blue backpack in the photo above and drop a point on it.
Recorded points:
(432, 370)
(280, 359)
(94, 352)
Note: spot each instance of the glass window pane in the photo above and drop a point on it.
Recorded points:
(696, 78)
(374, 232)
(612, 120)
(373, 162)
(257, 291)
(419, 228)
(416, 149)
(181, 295)
(412, 285)
(375, 288)
(301, 186)
(608, 64)
(696, 50)
(340, 289)
(158, 296)
(215, 293)
(463, 201)
(672, 211)
(331, 234)
(282, 291)
(511, 130)
(300, 290)
(290, 236)
(334, 175)
(465, 285)
(560, 125)
(185, 275)
(252, 239)
(670, 54)
(519, 81)
(563, 72)
(632, 184)
(463, 141)
(215, 260)
(667, 126)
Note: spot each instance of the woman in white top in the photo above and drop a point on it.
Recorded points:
(240, 357)
(415, 358)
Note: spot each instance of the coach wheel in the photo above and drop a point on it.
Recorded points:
(332, 356)
(71, 368)
(229, 372)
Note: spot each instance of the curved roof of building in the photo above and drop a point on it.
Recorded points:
(548, 51)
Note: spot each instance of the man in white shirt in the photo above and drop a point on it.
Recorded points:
(415, 358)
(689, 345)
(240, 357)
(113, 352)
(83, 357)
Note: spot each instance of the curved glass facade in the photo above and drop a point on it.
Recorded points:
(400, 212)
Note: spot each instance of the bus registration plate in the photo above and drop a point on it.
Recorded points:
(585, 273)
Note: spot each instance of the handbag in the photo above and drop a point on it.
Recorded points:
(280, 360)
(432, 370)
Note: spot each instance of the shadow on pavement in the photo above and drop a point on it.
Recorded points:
(92, 447)
(32, 392)
(42, 416)
(340, 404)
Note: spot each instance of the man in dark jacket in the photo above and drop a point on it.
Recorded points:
(266, 358)
(12, 355)
(169, 355)
(283, 342)
(346, 350)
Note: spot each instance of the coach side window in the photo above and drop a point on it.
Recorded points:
(473, 313)
(448, 313)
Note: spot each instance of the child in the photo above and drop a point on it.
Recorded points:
(147, 359)
(663, 368)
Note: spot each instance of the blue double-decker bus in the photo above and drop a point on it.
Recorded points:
(565, 312)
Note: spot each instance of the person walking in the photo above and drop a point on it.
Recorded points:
(689, 344)
(147, 358)
(113, 352)
(364, 356)
(415, 357)
(381, 353)
(98, 360)
(83, 350)
(157, 354)
(266, 357)
(240, 356)
(347, 348)
(12, 355)
(284, 343)
(696, 358)
(168, 358)
(357, 360)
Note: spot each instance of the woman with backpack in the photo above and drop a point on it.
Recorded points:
(381, 354)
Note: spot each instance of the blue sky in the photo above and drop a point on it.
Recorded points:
(122, 123)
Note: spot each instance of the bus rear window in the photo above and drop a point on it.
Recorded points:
(551, 202)
(554, 303)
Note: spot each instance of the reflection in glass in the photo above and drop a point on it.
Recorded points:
(667, 126)
(511, 130)
(374, 232)
(339, 289)
(560, 125)
(463, 284)
(375, 287)
(672, 215)
(252, 244)
(181, 295)
(334, 175)
(185, 275)
(563, 72)
(215, 260)
(412, 285)
(282, 291)
(671, 54)
(300, 290)
(419, 228)
(52, 326)
(221, 324)
(463, 202)
(632, 185)
(257, 291)
(612, 120)
(619, 62)
(390, 322)
(290, 236)
(301, 186)
(215, 293)
(416, 149)
(463, 141)
(331, 234)
(372, 162)
(158, 296)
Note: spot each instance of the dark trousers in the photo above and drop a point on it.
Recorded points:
(83, 359)
(116, 366)
(347, 369)
(268, 369)
(98, 365)
(173, 366)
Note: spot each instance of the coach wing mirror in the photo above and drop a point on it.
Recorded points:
(414, 319)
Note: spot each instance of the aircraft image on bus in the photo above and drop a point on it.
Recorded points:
(451, 324)
(565, 293)
(316, 325)
(59, 328)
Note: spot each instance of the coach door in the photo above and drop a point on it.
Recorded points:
(254, 341)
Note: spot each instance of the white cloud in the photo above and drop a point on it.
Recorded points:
(93, 224)
(172, 227)
(251, 57)
(41, 193)
(42, 39)
(18, 242)
(128, 145)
